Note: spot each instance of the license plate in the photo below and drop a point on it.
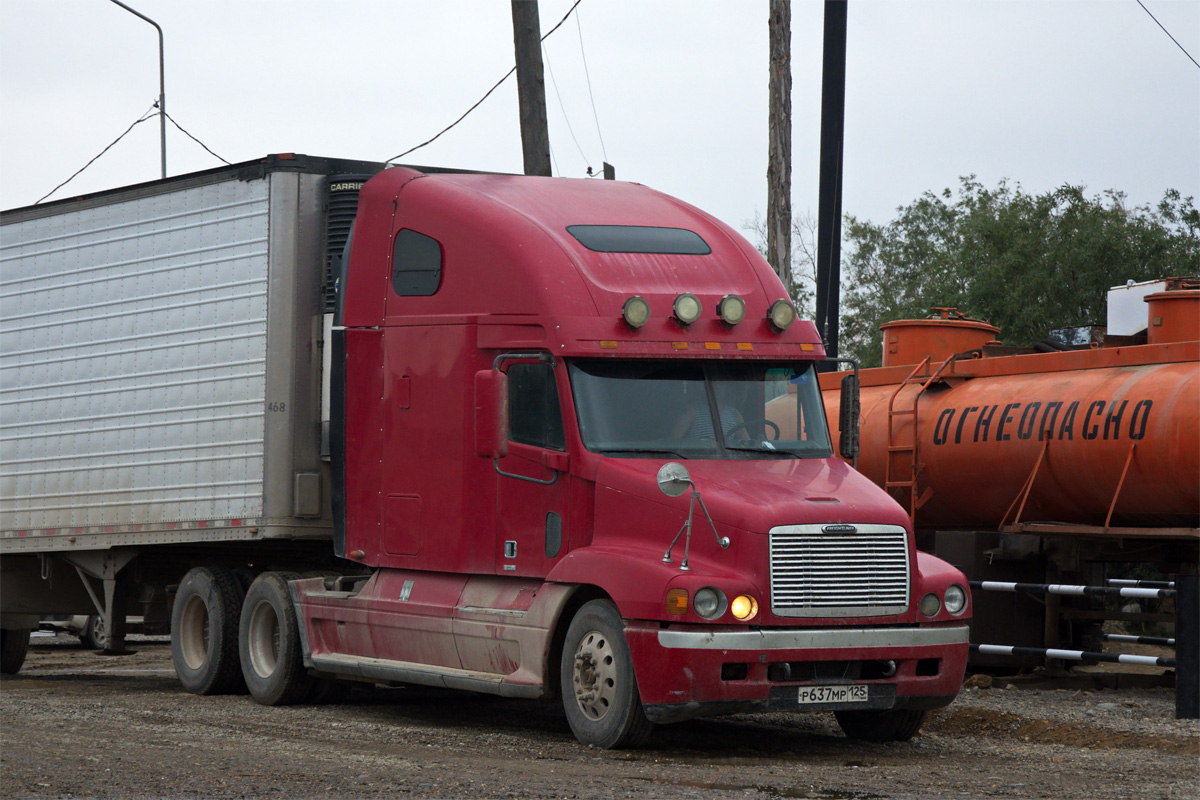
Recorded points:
(809, 695)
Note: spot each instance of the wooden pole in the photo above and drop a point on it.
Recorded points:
(531, 87)
(779, 132)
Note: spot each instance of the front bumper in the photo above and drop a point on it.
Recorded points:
(694, 671)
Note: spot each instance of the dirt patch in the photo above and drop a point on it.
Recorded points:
(78, 724)
(968, 721)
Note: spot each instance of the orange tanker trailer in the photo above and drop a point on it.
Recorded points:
(1017, 464)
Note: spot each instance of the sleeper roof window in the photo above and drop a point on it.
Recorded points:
(639, 239)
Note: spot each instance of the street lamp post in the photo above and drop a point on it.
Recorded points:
(162, 84)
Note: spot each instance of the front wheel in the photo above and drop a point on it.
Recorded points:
(897, 725)
(599, 689)
(269, 643)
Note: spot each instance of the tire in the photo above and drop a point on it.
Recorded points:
(269, 643)
(204, 631)
(14, 644)
(599, 688)
(897, 725)
(94, 635)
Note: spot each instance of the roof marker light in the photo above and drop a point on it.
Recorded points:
(781, 314)
(687, 308)
(636, 311)
(731, 309)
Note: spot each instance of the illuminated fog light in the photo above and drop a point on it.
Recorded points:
(731, 309)
(709, 603)
(956, 599)
(636, 311)
(687, 308)
(930, 605)
(744, 607)
(781, 314)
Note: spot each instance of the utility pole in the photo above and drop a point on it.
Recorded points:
(779, 133)
(162, 84)
(531, 87)
(829, 192)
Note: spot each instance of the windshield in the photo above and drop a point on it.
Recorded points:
(700, 409)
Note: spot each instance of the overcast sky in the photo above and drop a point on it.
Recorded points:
(1043, 93)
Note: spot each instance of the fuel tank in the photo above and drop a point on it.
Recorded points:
(968, 434)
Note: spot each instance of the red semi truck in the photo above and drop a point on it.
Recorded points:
(516, 372)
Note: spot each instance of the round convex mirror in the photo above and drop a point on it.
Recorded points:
(673, 479)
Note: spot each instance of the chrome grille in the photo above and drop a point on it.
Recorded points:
(818, 574)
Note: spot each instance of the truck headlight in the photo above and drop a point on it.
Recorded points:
(687, 308)
(744, 607)
(956, 599)
(709, 603)
(930, 605)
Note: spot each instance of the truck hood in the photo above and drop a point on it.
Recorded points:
(757, 495)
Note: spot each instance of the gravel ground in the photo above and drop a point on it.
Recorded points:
(79, 724)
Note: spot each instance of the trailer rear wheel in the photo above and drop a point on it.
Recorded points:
(599, 688)
(896, 725)
(204, 631)
(269, 642)
(14, 644)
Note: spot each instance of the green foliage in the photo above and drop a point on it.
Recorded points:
(1028, 263)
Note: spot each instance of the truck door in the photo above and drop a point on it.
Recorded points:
(532, 493)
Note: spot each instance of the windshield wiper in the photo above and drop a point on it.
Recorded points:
(770, 451)
(654, 450)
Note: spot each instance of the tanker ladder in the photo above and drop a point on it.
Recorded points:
(1187, 631)
(896, 462)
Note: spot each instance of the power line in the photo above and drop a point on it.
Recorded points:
(561, 107)
(149, 114)
(1167, 32)
(487, 95)
(579, 27)
(193, 138)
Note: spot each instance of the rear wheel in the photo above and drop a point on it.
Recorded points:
(269, 642)
(14, 644)
(204, 631)
(897, 725)
(599, 689)
(94, 635)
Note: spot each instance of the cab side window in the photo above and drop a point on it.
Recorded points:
(416, 264)
(534, 415)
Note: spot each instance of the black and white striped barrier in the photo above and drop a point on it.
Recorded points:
(1130, 582)
(1120, 637)
(1072, 655)
(1078, 591)
(1186, 591)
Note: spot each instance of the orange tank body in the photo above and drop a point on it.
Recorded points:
(1087, 437)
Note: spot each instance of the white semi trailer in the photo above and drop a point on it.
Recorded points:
(160, 391)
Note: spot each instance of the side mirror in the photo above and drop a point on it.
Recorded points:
(491, 414)
(673, 479)
(848, 419)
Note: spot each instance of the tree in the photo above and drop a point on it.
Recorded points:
(800, 278)
(1027, 263)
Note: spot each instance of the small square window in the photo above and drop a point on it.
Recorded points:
(416, 264)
